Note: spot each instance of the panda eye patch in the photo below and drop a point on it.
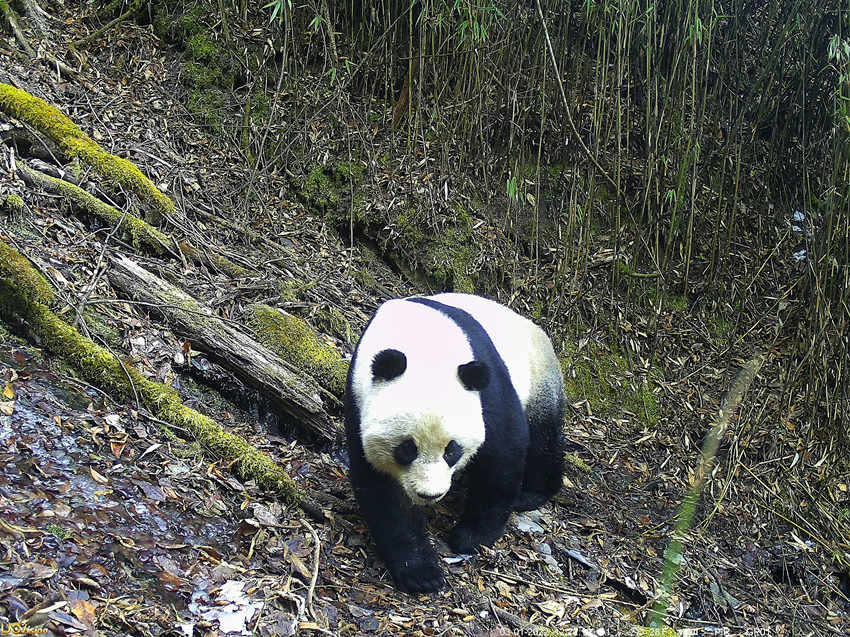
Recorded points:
(452, 453)
(388, 364)
(406, 452)
(474, 375)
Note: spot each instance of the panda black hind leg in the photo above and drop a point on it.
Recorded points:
(544, 463)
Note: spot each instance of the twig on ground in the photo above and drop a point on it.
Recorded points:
(11, 17)
(317, 546)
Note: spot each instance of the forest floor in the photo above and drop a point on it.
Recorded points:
(113, 524)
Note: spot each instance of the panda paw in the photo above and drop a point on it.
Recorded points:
(467, 537)
(419, 575)
(529, 501)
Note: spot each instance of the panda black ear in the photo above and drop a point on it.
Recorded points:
(474, 375)
(388, 364)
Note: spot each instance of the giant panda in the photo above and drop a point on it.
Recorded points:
(443, 383)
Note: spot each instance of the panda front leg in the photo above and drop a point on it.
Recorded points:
(398, 528)
(495, 480)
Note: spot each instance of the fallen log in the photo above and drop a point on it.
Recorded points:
(293, 394)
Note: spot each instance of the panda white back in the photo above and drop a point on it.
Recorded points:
(523, 346)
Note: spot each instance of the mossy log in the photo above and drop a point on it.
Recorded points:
(25, 297)
(140, 234)
(229, 347)
(212, 260)
(299, 344)
(28, 281)
(74, 143)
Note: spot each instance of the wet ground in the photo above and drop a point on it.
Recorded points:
(93, 502)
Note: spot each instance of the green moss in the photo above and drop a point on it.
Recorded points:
(60, 531)
(359, 211)
(209, 105)
(406, 224)
(76, 144)
(177, 27)
(670, 303)
(322, 191)
(99, 367)
(190, 22)
(677, 303)
(292, 290)
(643, 402)
(97, 327)
(259, 105)
(452, 255)
(444, 261)
(76, 168)
(201, 48)
(573, 460)
(365, 278)
(299, 345)
(584, 378)
(202, 76)
(447, 258)
(139, 233)
(557, 170)
(208, 71)
(191, 451)
(288, 291)
(162, 26)
(602, 379)
(335, 323)
(624, 268)
(721, 330)
(13, 205)
(7, 13)
(350, 171)
(218, 261)
(537, 310)
(26, 280)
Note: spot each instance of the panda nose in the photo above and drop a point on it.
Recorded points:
(430, 496)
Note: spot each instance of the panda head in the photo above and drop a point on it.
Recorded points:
(422, 419)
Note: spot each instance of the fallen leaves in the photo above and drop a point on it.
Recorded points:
(98, 477)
